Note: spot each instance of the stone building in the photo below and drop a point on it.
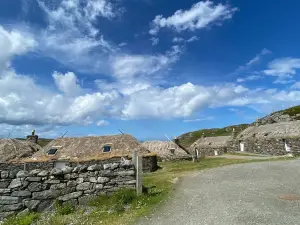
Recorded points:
(167, 150)
(86, 148)
(210, 146)
(272, 139)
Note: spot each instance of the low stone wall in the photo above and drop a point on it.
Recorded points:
(268, 146)
(36, 189)
(211, 151)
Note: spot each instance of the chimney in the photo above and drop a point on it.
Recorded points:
(233, 133)
(33, 138)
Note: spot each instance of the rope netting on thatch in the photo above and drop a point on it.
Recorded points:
(12, 149)
(92, 147)
(211, 142)
(164, 148)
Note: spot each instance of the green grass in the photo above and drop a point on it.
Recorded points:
(124, 207)
(291, 111)
(247, 154)
(25, 219)
(189, 138)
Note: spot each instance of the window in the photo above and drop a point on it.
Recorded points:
(209, 143)
(172, 150)
(106, 148)
(52, 151)
(266, 134)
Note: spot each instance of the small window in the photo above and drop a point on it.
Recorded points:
(266, 134)
(52, 151)
(209, 143)
(107, 148)
(253, 135)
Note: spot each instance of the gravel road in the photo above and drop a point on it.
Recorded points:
(254, 193)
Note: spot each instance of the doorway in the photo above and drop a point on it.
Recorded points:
(242, 146)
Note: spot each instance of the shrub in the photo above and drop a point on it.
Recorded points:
(64, 209)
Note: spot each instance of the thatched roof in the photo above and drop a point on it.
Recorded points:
(164, 149)
(211, 142)
(275, 130)
(82, 148)
(12, 149)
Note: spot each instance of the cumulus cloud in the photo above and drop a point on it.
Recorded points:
(101, 123)
(67, 83)
(199, 119)
(135, 65)
(199, 16)
(250, 78)
(283, 67)
(154, 41)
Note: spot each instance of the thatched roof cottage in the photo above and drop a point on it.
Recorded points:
(13, 149)
(209, 146)
(85, 148)
(274, 139)
(166, 150)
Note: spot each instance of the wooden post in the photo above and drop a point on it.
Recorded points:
(24, 168)
(139, 169)
(134, 156)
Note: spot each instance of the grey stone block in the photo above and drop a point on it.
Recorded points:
(43, 173)
(16, 183)
(22, 174)
(48, 194)
(58, 186)
(8, 200)
(125, 173)
(21, 194)
(4, 174)
(34, 179)
(52, 181)
(83, 186)
(70, 196)
(5, 191)
(4, 184)
(34, 172)
(103, 180)
(13, 207)
(94, 167)
(32, 204)
(56, 172)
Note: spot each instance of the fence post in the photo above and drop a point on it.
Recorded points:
(134, 155)
(139, 169)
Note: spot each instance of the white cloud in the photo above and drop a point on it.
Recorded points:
(12, 43)
(296, 85)
(182, 40)
(192, 39)
(136, 65)
(122, 44)
(101, 123)
(200, 15)
(154, 41)
(67, 83)
(178, 39)
(283, 67)
(199, 119)
(249, 78)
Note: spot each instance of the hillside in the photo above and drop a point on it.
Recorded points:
(188, 138)
(290, 114)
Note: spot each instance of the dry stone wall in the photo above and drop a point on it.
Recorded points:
(37, 189)
(268, 146)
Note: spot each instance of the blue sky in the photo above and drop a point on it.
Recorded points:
(149, 68)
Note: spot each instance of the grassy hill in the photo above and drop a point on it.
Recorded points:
(188, 138)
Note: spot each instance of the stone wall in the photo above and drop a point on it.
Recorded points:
(210, 151)
(37, 189)
(269, 146)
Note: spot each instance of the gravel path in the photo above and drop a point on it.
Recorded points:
(235, 195)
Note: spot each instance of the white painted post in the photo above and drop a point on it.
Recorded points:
(139, 169)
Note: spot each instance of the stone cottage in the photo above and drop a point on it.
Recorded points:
(273, 139)
(13, 149)
(210, 146)
(89, 148)
(167, 150)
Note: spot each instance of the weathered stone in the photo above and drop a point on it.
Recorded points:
(70, 196)
(35, 186)
(44, 205)
(43, 173)
(89, 191)
(107, 166)
(25, 184)
(115, 166)
(83, 186)
(71, 183)
(79, 180)
(58, 186)
(24, 212)
(56, 172)
(21, 193)
(130, 182)
(4, 184)
(13, 174)
(106, 173)
(22, 174)
(8, 200)
(126, 164)
(93, 179)
(99, 186)
(4, 174)
(5, 191)
(48, 194)
(34, 172)
(6, 214)
(32, 204)
(71, 176)
(76, 169)
(83, 168)
(16, 183)
(125, 173)
(103, 180)
(13, 207)
(83, 175)
(67, 170)
(33, 179)
(94, 167)
(52, 182)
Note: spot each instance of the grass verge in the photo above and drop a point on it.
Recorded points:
(124, 207)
